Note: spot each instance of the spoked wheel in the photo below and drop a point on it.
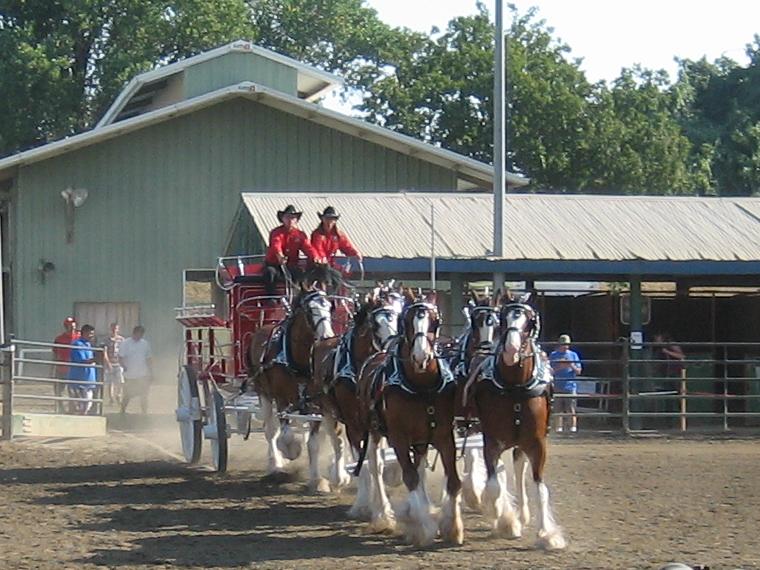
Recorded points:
(216, 430)
(188, 414)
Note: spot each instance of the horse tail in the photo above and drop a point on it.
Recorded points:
(362, 454)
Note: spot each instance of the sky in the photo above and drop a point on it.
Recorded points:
(611, 34)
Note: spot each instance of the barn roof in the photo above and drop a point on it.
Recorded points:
(312, 83)
(591, 230)
(470, 172)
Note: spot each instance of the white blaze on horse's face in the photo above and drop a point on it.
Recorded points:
(516, 322)
(385, 325)
(422, 349)
(319, 310)
(485, 321)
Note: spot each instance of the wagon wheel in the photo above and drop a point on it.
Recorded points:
(216, 430)
(188, 414)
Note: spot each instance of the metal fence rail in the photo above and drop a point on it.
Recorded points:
(633, 387)
(32, 382)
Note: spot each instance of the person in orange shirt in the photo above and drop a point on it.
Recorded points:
(286, 242)
(328, 240)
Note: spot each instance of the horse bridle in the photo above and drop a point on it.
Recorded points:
(492, 313)
(389, 313)
(533, 318)
(434, 326)
(307, 309)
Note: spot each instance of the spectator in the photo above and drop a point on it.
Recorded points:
(286, 241)
(60, 354)
(114, 375)
(670, 355)
(84, 390)
(136, 361)
(566, 365)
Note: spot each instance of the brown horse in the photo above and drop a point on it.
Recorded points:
(512, 398)
(336, 364)
(408, 396)
(279, 365)
(477, 340)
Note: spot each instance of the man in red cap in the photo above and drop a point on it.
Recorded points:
(61, 354)
(286, 241)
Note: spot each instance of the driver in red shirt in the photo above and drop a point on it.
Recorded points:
(286, 241)
(328, 240)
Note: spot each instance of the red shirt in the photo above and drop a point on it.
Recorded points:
(327, 245)
(63, 354)
(288, 243)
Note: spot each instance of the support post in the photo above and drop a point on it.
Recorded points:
(6, 379)
(636, 350)
(682, 392)
(457, 302)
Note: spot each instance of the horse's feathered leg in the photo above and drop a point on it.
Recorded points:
(271, 433)
(451, 526)
(338, 475)
(497, 502)
(420, 526)
(549, 533)
(521, 465)
(317, 483)
(383, 519)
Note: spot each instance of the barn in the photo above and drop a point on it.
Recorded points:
(105, 224)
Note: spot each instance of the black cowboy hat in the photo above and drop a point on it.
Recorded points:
(329, 212)
(289, 209)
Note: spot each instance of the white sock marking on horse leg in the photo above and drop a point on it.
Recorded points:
(549, 533)
(271, 433)
(521, 481)
(451, 526)
(360, 509)
(338, 475)
(317, 483)
(422, 528)
(381, 512)
(474, 480)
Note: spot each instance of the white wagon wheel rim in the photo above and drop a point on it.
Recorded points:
(188, 415)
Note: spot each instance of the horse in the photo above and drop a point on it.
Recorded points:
(478, 339)
(511, 390)
(279, 369)
(407, 395)
(336, 363)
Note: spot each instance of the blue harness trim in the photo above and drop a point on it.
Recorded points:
(343, 367)
(394, 375)
(280, 339)
(535, 386)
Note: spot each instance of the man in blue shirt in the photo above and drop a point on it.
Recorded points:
(86, 376)
(566, 365)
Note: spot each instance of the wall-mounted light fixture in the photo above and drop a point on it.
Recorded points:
(44, 268)
(74, 198)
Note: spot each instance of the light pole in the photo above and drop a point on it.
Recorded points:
(499, 140)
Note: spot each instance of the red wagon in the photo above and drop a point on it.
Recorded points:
(211, 401)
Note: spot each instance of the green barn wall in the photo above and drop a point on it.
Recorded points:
(164, 198)
(233, 68)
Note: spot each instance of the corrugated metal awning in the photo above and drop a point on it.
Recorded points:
(536, 226)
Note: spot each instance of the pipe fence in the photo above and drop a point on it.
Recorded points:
(34, 381)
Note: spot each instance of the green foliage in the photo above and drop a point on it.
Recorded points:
(65, 61)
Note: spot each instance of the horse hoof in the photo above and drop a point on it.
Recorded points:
(339, 478)
(385, 524)
(551, 541)
(452, 533)
(508, 527)
(320, 487)
(290, 447)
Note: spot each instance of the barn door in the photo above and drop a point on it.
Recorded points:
(101, 315)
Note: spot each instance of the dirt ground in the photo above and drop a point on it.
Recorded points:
(125, 501)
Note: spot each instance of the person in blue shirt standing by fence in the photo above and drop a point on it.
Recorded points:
(566, 365)
(86, 376)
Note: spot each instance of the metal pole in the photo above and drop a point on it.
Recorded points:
(499, 136)
(6, 377)
(432, 247)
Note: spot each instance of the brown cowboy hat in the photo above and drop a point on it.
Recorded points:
(329, 212)
(289, 209)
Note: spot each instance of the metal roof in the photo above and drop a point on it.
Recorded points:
(537, 226)
(470, 172)
(311, 81)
